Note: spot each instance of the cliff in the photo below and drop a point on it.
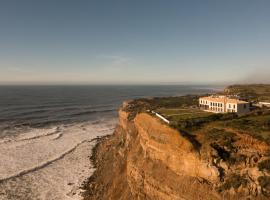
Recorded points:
(147, 159)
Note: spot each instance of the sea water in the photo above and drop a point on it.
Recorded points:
(47, 134)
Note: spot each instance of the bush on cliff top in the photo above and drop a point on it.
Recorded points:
(264, 165)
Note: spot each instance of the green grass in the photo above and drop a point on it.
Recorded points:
(187, 118)
(141, 105)
(184, 115)
(256, 125)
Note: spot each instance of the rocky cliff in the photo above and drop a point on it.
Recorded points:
(147, 159)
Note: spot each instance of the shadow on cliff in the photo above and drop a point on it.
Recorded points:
(192, 139)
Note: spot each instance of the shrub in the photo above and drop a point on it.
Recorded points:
(264, 165)
(234, 181)
(264, 182)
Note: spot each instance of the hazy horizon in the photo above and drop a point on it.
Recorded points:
(134, 42)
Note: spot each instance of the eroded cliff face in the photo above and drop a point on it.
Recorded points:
(146, 159)
(167, 166)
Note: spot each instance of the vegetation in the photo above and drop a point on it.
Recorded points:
(225, 138)
(264, 165)
(255, 92)
(195, 121)
(184, 114)
(234, 181)
(264, 182)
(256, 124)
(142, 105)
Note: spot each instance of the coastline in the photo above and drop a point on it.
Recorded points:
(88, 191)
(146, 158)
(106, 162)
(58, 165)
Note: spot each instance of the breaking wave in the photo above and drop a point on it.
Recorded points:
(31, 154)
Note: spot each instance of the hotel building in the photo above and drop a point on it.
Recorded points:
(223, 104)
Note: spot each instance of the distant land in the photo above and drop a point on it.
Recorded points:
(198, 155)
(252, 92)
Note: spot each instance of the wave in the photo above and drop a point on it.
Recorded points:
(46, 163)
(39, 117)
(58, 136)
(52, 107)
(40, 136)
(91, 112)
(33, 137)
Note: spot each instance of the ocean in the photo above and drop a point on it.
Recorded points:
(47, 134)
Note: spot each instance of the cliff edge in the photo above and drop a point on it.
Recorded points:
(147, 159)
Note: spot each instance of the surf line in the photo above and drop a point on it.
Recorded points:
(45, 164)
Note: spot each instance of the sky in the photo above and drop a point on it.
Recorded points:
(139, 41)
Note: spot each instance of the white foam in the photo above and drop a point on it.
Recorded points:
(49, 163)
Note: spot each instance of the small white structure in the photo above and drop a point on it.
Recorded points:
(223, 104)
(161, 117)
(264, 104)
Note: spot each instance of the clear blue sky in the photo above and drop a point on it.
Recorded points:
(139, 41)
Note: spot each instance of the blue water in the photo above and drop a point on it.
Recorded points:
(42, 105)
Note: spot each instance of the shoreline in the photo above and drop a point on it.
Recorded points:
(48, 164)
(93, 160)
(109, 162)
(145, 158)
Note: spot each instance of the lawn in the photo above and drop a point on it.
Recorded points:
(184, 115)
(194, 120)
(179, 114)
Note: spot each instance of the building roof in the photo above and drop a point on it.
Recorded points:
(223, 99)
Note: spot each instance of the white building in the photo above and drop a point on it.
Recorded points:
(223, 104)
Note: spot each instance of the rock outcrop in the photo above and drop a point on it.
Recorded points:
(147, 159)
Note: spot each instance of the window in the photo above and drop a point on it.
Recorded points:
(234, 106)
(229, 105)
